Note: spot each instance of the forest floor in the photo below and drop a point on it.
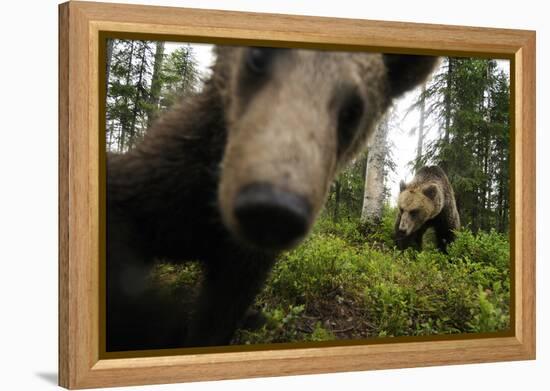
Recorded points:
(343, 284)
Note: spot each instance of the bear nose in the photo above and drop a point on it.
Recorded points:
(270, 217)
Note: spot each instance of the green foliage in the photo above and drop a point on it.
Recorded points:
(345, 282)
(425, 293)
(355, 232)
(282, 325)
(141, 85)
(487, 248)
(320, 333)
(179, 76)
(493, 310)
(128, 92)
(345, 287)
(383, 234)
(347, 229)
(319, 268)
(469, 98)
(346, 193)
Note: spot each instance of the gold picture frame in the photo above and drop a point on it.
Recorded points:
(83, 29)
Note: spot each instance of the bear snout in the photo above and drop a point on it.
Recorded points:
(270, 217)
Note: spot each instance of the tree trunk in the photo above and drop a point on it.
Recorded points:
(447, 113)
(420, 143)
(124, 125)
(138, 96)
(373, 199)
(448, 94)
(485, 108)
(500, 197)
(110, 43)
(487, 184)
(156, 85)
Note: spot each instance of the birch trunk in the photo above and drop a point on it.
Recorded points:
(420, 143)
(110, 43)
(373, 199)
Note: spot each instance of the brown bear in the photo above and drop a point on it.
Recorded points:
(428, 201)
(233, 176)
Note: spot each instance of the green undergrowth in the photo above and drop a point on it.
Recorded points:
(342, 283)
(346, 281)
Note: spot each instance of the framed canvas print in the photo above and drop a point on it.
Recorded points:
(247, 195)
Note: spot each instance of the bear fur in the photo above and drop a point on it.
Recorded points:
(279, 122)
(428, 201)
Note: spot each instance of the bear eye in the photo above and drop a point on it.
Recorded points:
(258, 59)
(413, 212)
(348, 118)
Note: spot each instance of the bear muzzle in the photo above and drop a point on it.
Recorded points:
(406, 226)
(271, 218)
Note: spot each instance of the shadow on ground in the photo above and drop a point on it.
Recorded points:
(49, 377)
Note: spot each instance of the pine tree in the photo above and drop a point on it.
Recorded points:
(137, 127)
(141, 84)
(180, 76)
(153, 107)
(469, 99)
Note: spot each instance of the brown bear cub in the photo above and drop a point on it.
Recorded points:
(233, 176)
(428, 201)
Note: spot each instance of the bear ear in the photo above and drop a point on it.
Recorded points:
(402, 186)
(407, 71)
(430, 191)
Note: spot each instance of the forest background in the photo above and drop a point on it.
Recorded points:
(347, 280)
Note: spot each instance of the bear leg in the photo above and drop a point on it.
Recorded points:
(444, 239)
(418, 241)
(229, 289)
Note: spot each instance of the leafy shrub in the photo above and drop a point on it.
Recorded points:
(392, 293)
(346, 229)
(492, 313)
(281, 326)
(487, 248)
(320, 334)
(384, 232)
(322, 265)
